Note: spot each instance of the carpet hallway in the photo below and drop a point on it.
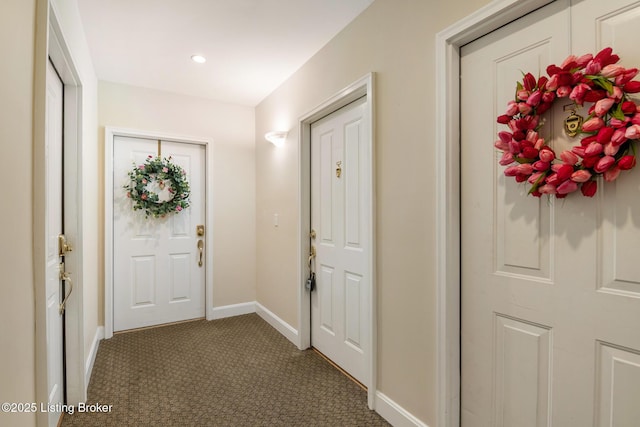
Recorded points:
(237, 371)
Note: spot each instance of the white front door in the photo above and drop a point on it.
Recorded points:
(550, 289)
(54, 224)
(158, 273)
(339, 178)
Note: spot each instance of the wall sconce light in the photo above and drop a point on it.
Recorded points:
(277, 138)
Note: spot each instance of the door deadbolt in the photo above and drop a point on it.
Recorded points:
(63, 245)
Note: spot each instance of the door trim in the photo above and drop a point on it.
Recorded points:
(361, 87)
(50, 43)
(109, 134)
(448, 43)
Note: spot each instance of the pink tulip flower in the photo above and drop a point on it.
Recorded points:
(541, 166)
(618, 138)
(514, 147)
(611, 174)
(563, 91)
(583, 60)
(593, 149)
(603, 106)
(632, 132)
(507, 159)
(578, 151)
(612, 70)
(569, 158)
(626, 76)
(567, 187)
(552, 179)
(511, 171)
(604, 164)
(501, 145)
(617, 93)
(547, 155)
(524, 108)
(581, 175)
(548, 97)
(525, 169)
(569, 62)
(610, 149)
(535, 177)
(617, 123)
(592, 124)
(505, 136)
(534, 98)
(532, 136)
(593, 68)
(578, 92)
(547, 189)
(512, 108)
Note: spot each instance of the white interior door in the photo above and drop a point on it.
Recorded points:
(550, 290)
(54, 225)
(157, 273)
(340, 305)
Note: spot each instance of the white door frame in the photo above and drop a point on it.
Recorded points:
(448, 43)
(109, 134)
(50, 43)
(356, 90)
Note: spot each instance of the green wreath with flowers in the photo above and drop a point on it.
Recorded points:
(158, 187)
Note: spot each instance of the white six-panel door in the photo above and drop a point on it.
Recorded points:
(340, 304)
(550, 289)
(157, 276)
(54, 224)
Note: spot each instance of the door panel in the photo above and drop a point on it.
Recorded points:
(339, 306)
(549, 288)
(54, 224)
(157, 278)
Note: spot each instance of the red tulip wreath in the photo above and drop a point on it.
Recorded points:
(609, 133)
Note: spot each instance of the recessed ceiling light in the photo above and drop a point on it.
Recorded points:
(199, 59)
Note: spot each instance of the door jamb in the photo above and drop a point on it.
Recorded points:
(109, 134)
(361, 87)
(448, 43)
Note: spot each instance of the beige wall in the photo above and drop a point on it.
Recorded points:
(17, 324)
(231, 128)
(395, 39)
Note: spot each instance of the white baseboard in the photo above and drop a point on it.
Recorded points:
(91, 357)
(394, 413)
(233, 310)
(280, 325)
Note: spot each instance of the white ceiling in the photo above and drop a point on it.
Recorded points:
(251, 46)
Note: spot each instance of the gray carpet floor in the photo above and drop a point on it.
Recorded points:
(237, 371)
